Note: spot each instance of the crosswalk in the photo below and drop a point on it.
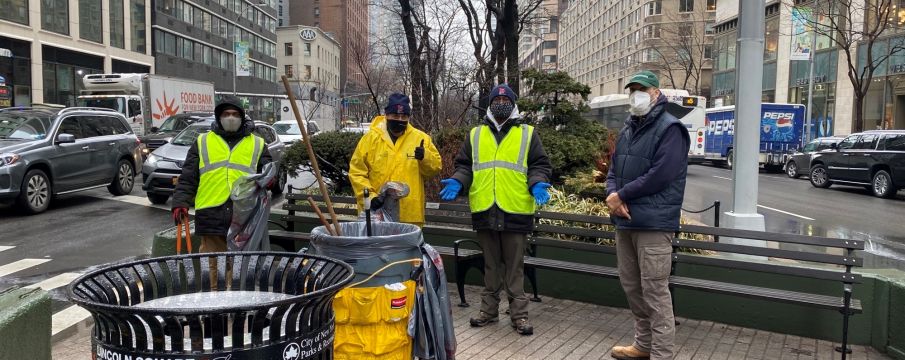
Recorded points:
(61, 320)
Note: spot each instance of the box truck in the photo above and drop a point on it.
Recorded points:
(781, 128)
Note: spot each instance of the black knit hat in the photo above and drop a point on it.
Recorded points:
(398, 104)
(226, 102)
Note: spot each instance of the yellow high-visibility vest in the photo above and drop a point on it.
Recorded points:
(500, 171)
(220, 166)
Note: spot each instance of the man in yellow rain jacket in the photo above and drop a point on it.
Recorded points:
(393, 150)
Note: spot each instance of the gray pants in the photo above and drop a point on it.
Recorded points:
(504, 261)
(644, 265)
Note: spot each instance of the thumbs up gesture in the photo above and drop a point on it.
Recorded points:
(419, 151)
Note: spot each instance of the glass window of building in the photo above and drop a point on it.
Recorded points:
(686, 5)
(288, 70)
(89, 27)
(655, 8)
(711, 5)
(307, 49)
(55, 16)
(287, 49)
(117, 24)
(169, 41)
(15, 11)
(307, 72)
(139, 36)
(771, 44)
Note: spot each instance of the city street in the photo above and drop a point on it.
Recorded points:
(794, 206)
(90, 228)
(78, 232)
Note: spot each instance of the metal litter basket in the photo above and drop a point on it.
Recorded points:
(214, 306)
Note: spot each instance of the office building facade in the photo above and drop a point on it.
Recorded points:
(539, 41)
(46, 47)
(603, 43)
(310, 59)
(199, 40)
(348, 21)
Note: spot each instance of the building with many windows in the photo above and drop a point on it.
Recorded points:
(348, 21)
(310, 58)
(787, 81)
(47, 46)
(196, 40)
(602, 43)
(539, 42)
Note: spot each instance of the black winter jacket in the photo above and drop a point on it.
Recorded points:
(211, 221)
(539, 170)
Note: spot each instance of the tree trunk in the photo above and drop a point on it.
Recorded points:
(510, 31)
(858, 123)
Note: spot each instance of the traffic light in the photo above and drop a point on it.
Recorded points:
(690, 101)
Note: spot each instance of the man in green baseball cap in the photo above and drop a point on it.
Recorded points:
(645, 190)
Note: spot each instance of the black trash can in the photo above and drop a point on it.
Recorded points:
(253, 305)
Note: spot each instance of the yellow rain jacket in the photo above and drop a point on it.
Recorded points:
(377, 160)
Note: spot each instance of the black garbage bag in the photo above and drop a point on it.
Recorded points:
(251, 210)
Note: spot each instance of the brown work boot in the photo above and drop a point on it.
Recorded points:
(523, 327)
(628, 353)
(483, 319)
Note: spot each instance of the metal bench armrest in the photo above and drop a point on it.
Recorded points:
(284, 227)
(459, 242)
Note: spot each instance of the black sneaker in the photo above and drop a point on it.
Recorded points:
(483, 319)
(522, 327)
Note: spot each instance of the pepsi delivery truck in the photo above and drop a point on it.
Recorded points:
(781, 128)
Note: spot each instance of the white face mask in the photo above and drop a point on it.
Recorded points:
(231, 123)
(640, 103)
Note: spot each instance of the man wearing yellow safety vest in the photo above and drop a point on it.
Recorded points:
(213, 163)
(394, 150)
(506, 171)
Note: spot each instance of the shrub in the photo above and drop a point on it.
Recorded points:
(334, 150)
(574, 147)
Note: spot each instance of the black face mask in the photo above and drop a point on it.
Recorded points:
(397, 127)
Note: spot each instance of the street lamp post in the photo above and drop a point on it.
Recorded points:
(745, 169)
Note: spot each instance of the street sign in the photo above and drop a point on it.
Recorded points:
(354, 101)
(5, 52)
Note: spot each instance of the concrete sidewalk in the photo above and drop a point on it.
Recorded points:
(566, 329)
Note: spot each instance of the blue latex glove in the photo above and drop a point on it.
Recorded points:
(539, 191)
(451, 188)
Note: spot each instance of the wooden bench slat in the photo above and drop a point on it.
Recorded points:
(448, 219)
(775, 237)
(768, 268)
(590, 219)
(320, 198)
(578, 268)
(770, 252)
(571, 245)
(825, 301)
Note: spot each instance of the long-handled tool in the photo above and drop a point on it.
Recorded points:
(320, 215)
(367, 203)
(311, 156)
(183, 224)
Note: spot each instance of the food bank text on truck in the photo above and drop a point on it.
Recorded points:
(146, 100)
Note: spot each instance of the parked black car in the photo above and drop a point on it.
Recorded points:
(171, 126)
(873, 159)
(800, 161)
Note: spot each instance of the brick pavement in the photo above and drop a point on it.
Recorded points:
(566, 329)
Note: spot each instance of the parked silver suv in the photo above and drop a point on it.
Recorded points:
(45, 152)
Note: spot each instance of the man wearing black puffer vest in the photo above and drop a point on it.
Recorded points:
(213, 163)
(646, 187)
